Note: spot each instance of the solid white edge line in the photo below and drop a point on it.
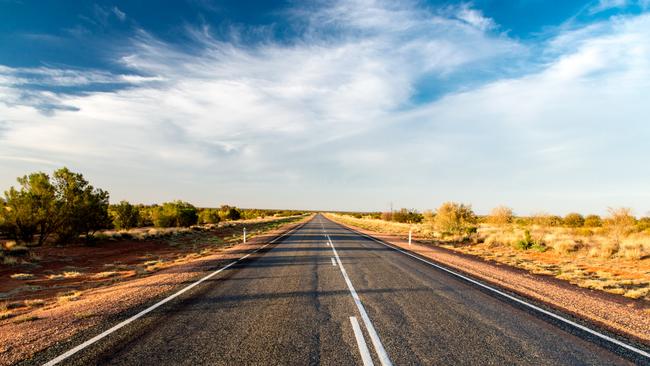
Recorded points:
(107, 332)
(333, 261)
(361, 342)
(374, 337)
(510, 297)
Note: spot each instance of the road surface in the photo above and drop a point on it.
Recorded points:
(326, 295)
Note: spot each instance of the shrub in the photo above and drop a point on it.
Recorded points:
(455, 218)
(125, 215)
(387, 216)
(574, 220)
(209, 216)
(593, 221)
(525, 243)
(407, 216)
(620, 223)
(565, 246)
(177, 213)
(229, 213)
(500, 215)
(643, 224)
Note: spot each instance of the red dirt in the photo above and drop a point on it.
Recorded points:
(59, 320)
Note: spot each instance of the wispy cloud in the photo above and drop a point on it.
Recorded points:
(334, 109)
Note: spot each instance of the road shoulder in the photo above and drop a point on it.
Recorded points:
(629, 318)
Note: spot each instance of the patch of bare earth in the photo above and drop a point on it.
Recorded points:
(622, 315)
(94, 284)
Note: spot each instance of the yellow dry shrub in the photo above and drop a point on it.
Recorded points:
(564, 246)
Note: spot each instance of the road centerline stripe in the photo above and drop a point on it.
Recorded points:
(361, 342)
(374, 337)
(333, 262)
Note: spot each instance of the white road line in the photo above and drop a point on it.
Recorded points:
(522, 302)
(333, 262)
(374, 337)
(98, 337)
(361, 342)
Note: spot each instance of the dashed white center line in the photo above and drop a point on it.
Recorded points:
(374, 337)
(333, 262)
(361, 342)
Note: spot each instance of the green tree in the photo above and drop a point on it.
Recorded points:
(177, 213)
(209, 216)
(229, 213)
(64, 206)
(81, 209)
(125, 215)
(31, 209)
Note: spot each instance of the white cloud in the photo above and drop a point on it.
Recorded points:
(313, 122)
(603, 5)
(119, 13)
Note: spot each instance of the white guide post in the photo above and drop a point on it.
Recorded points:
(244, 235)
(410, 235)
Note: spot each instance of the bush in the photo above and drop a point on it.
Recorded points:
(455, 218)
(125, 215)
(525, 243)
(593, 221)
(643, 224)
(406, 216)
(574, 220)
(501, 215)
(209, 216)
(387, 216)
(173, 214)
(229, 213)
(620, 223)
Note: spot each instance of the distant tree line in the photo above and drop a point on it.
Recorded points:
(64, 207)
(458, 218)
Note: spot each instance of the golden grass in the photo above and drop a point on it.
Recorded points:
(26, 318)
(66, 274)
(35, 303)
(69, 296)
(22, 276)
(591, 258)
(106, 274)
(6, 314)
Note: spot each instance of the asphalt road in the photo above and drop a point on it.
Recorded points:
(292, 305)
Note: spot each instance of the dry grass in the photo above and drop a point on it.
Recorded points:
(8, 260)
(69, 296)
(35, 303)
(22, 276)
(106, 274)
(26, 318)
(66, 274)
(593, 258)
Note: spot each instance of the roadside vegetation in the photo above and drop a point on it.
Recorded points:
(610, 253)
(60, 236)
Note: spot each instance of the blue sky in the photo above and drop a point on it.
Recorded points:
(345, 105)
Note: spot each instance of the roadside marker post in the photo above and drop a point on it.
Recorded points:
(410, 235)
(244, 235)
